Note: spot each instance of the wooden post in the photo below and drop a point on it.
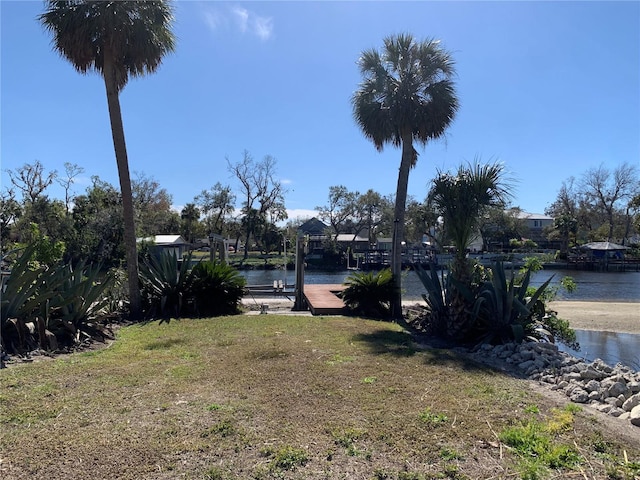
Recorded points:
(299, 303)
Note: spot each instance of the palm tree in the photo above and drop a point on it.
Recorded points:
(117, 39)
(461, 200)
(407, 95)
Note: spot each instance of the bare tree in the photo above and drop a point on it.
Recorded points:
(610, 192)
(262, 194)
(72, 170)
(32, 180)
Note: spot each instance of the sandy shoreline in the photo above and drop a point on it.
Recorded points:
(603, 316)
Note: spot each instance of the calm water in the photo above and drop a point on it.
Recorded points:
(592, 286)
(611, 347)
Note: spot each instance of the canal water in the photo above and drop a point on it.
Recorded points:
(591, 286)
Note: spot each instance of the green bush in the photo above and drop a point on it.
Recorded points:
(370, 294)
(216, 289)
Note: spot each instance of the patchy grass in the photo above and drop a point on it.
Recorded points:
(266, 397)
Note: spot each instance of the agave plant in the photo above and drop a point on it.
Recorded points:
(216, 289)
(78, 295)
(20, 298)
(370, 294)
(20, 288)
(165, 284)
(503, 310)
(438, 298)
(59, 299)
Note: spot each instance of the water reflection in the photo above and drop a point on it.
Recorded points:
(611, 347)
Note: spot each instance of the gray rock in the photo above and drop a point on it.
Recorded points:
(571, 376)
(548, 379)
(591, 373)
(595, 395)
(578, 395)
(592, 386)
(599, 364)
(634, 416)
(618, 388)
(527, 355)
(613, 401)
(632, 402)
(525, 365)
(616, 412)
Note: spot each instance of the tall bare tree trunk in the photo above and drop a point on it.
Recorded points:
(408, 155)
(120, 147)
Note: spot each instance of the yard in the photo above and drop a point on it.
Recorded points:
(289, 397)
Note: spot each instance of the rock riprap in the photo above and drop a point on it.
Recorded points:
(611, 390)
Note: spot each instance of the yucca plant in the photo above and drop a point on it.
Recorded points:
(165, 284)
(370, 294)
(216, 289)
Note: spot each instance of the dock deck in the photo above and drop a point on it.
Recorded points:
(322, 299)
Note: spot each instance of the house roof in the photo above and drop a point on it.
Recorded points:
(533, 216)
(349, 237)
(165, 240)
(603, 246)
(313, 227)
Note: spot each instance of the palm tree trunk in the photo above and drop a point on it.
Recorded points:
(120, 147)
(398, 221)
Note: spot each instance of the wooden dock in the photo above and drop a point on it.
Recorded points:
(322, 299)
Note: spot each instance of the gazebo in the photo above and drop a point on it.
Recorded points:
(604, 253)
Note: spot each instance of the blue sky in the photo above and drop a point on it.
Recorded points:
(549, 88)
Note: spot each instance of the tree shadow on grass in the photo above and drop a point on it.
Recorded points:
(435, 351)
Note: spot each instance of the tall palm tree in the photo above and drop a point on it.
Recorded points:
(461, 200)
(117, 39)
(407, 95)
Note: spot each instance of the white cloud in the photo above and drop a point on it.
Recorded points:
(301, 214)
(241, 19)
(263, 27)
(213, 19)
(241, 16)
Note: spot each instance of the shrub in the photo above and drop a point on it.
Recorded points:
(61, 299)
(77, 295)
(216, 289)
(370, 294)
(438, 297)
(165, 283)
(503, 311)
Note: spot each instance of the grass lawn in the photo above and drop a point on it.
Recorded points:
(287, 397)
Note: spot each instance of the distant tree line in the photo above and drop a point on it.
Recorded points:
(602, 204)
(89, 226)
